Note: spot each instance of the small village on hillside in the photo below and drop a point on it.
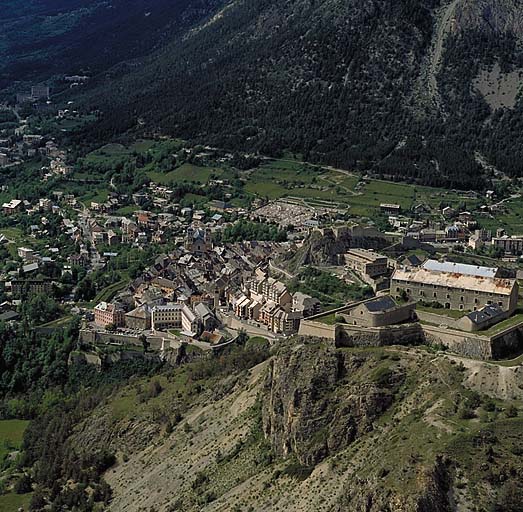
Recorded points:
(210, 247)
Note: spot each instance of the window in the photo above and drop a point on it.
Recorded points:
(435, 295)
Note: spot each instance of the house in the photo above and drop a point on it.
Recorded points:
(12, 207)
(109, 314)
(26, 253)
(306, 304)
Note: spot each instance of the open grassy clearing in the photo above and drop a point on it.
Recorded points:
(186, 172)
(511, 220)
(12, 502)
(98, 195)
(11, 435)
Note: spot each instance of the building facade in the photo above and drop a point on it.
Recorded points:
(454, 290)
(166, 317)
(366, 262)
(109, 314)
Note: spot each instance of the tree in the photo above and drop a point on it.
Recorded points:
(242, 337)
(145, 343)
(23, 485)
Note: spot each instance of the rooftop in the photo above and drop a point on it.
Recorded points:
(460, 268)
(380, 304)
(455, 280)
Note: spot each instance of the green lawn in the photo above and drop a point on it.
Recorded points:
(511, 220)
(98, 195)
(13, 234)
(12, 502)
(450, 313)
(109, 292)
(186, 172)
(127, 210)
(329, 319)
(11, 435)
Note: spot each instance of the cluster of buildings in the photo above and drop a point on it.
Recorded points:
(194, 288)
(267, 301)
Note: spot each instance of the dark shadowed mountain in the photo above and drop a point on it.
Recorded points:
(423, 90)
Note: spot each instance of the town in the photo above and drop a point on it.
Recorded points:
(161, 244)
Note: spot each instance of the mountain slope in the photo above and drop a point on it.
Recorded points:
(382, 86)
(315, 428)
(411, 89)
(43, 38)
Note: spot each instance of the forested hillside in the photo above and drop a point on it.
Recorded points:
(423, 90)
(42, 39)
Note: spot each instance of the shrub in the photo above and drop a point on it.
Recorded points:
(23, 485)
(298, 471)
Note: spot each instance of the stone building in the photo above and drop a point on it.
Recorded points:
(198, 240)
(380, 312)
(22, 287)
(139, 318)
(366, 262)
(458, 287)
(109, 314)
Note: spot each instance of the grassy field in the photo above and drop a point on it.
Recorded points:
(98, 195)
(109, 292)
(11, 435)
(186, 172)
(284, 178)
(511, 220)
(127, 210)
(12, 502)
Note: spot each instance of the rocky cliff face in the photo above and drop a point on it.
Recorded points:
(326, 247)
(315, 404)
(315, 428)
(498, 16)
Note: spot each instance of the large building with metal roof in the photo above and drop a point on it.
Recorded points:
(460, 268)
(455, 286)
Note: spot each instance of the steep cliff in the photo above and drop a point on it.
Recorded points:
(314, 428)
